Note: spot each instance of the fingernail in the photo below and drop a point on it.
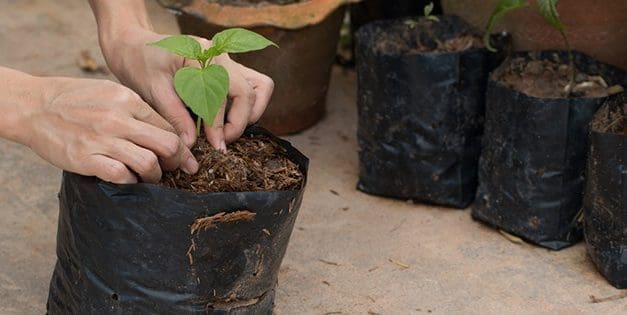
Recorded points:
(223, 146)
(190, 166)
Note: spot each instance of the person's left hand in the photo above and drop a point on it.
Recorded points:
(149, 71)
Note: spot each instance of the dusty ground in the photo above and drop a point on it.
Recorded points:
(338, 260)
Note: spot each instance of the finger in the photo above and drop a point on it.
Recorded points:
(143, 112)
(215, 132)
(169, 147)
(142, 161)
(238, 116)
(108, 170)
(170, 106)
(263, 86)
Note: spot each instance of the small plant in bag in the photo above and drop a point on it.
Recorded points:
(205, 89)
(426, 23)
(548, 10)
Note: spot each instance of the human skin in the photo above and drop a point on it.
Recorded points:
(91, 127)
(125, 29)
(101, 128)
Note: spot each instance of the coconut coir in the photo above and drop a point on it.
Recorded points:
(252, 163)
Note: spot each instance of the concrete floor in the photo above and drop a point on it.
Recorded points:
(342, 253)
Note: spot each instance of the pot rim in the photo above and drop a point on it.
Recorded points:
(288, 16)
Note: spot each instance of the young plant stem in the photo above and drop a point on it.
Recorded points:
(426, 28)
(571, 65)
(198, 124)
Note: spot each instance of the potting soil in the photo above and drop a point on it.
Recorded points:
(252, 163)
(548, 78)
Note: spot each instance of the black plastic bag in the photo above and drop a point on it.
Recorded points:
(605, 198)
(127, 249)
(420, 114)
(531, 171)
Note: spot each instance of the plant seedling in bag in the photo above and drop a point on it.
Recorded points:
(548, 10)
(205, 89)
(425, 24)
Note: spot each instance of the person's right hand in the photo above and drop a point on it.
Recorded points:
(101, 128)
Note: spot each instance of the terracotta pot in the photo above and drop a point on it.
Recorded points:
(307, 34)
(595, 27)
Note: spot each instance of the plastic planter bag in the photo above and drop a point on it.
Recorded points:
(128, 249)
(531, 172)
(605, 199)
(420, 114)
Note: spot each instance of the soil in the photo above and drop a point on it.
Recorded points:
(548, 79)
(420, 37)
(252, 163)
(611, 121)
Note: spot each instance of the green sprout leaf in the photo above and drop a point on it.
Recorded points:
(548, 10)
(181, 45)
(502, 8)
(239, 40)
(428, 9)
(203, 90)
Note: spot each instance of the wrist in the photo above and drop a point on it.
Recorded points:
(23, 96)
(117, 21)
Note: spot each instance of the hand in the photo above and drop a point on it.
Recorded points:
(100, 128)
(150, 71)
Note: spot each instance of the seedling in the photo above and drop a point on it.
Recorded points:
(425, 24)
(205, 89)
(548, 10)
(428, 9)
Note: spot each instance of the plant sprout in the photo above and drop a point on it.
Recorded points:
(548, 10)
(428, 9)
(425, 24)
(205, 89)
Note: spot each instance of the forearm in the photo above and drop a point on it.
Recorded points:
(115, 17)
(20, 95)
(123, 25)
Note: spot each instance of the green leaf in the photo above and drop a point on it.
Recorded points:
(181, 45)
(433, 18)
(411, 24)
(502, 8)
(210, 52)
(238, 40)
(428, 9)
(203, 90)
(548, 10)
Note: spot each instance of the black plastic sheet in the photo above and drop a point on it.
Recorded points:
(531, 171)
(123, 249)
(605, 199)
(420, 114)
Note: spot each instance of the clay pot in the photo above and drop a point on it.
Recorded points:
(595, 27)
(307, 34)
